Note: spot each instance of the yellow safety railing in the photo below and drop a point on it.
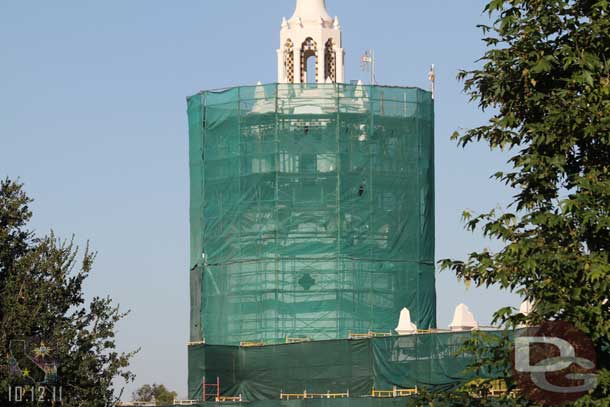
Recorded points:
(224, 399)
(369, 334)
(372, 334)
(358, 336)
(305, 395)
(380, 334)
(297, 340)
(251, 344)
(187, 402)
(496, 388)
(432, 331)
(395, 392)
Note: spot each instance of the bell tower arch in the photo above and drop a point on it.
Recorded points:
(311, 33)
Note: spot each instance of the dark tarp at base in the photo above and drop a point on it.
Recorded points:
(351, 402)
(356, 366)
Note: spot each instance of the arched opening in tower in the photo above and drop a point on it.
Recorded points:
(311, 69)
(289, 61)
(309, 61)
(330, 70)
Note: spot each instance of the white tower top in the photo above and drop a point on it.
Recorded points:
(311, 11)
(311, 35)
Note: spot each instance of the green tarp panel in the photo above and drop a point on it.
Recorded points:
(351, 402)
(312, 211)
(339, 366)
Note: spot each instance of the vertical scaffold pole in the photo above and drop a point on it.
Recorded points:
(204, 389)
(217, 388)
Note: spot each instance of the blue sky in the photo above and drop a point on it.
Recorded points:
(93, 121)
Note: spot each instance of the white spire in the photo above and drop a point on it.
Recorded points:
(311, 10)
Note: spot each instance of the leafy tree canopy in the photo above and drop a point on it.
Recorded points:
(50, 337)
(158, 393)
(546, 79)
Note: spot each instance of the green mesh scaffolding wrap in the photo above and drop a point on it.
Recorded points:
(312, 211)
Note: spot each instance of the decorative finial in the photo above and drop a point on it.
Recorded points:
(336, 23)
(284, 22)
(432, 79)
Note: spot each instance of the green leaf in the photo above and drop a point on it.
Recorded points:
(546, 76)
(542, 65)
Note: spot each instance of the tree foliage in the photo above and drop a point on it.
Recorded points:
(546, 79)
(155, 392)
(42, 306)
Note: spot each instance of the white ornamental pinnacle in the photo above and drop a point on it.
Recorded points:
(405, 326)
(311, 49)
(463, 319)
(432, 79)
(262, 104)
(526, 307)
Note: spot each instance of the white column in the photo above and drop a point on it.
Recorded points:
(340, 65)
(281, 71)
(297, 64)
(322, 63)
